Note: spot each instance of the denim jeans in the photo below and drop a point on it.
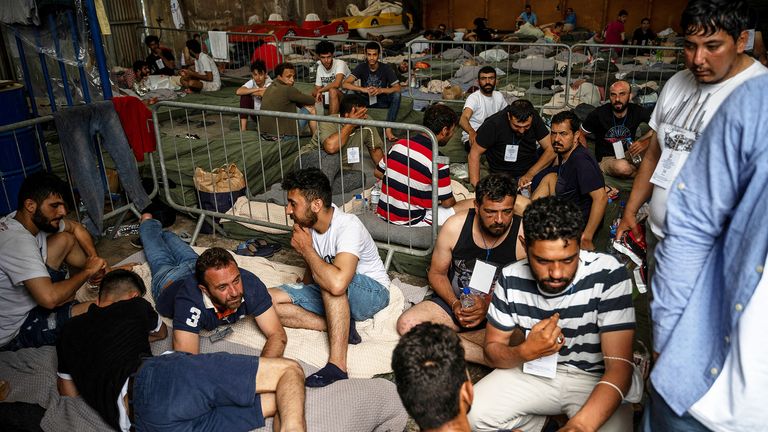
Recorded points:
(183, 392)
(169, 258)
(76, 127)
(390, 101)
(659, 417)
(366, 297)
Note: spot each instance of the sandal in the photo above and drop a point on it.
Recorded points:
(185, 236)
(253, 250)
(261, 243)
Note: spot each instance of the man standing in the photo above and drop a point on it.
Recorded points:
(714, 55)
(345, 280)
(613, 126)
(480, 105)
(614, 31)
(38, 249)
(330, 75)
(575, 308)
(483, 239)
(509, 139)
(710, 374)
(282, 96)
(578, 178)
(104, 355)
(205, 77)
(644, 35)
(378, 82)
(160, 59)
(252, 92)
(208, 292)
(432, 378)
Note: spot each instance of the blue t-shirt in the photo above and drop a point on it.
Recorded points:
(570, 19)
(192, 311)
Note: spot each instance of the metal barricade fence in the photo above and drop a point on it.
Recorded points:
(184, 145)
(32, 146)
(534, 71)
(639, 65)
(301, 51)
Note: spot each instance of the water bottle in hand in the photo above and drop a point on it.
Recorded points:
(466, 299)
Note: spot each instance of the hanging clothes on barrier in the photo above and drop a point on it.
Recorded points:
(136, 119)
(219, 46)
(77, 127)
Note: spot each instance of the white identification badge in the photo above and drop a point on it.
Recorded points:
(510, 153)
(372, 99)
(670, 164)
(353, 155)
(159, 63)
(326, 98)
(618, 149)
(544, 366)
(482, 276)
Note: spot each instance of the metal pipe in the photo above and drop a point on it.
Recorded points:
(44, 69)
(62, 68)
(80, 68)
(25, 71)
(98, 49)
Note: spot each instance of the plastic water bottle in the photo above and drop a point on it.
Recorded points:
(375, 195)
(466, 298)
(359, 205)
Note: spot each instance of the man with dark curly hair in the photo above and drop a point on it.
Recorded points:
(575, 308)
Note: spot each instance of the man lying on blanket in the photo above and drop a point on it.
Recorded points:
(104, 355)
(345, 280)
(205, 292)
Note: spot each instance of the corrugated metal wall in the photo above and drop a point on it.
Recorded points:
(124, 44)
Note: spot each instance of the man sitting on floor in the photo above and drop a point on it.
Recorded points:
(576, 309)
(345, 139)
(104, 355)
(509, 140)
(205, 77)
(345, 280)
(330, 74)
(613, 126)
(480, 105)
(38, 248)
(406, 172)
(483, 239)
(160, 59)
(432, 378)
(578, 178)
(284, 97)
(378, 82)
(205, 292)
(252, 92)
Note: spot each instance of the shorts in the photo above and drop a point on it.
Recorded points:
(366, 297)
(436, 299)
(181, 392)
(41, 327)
(443, 213)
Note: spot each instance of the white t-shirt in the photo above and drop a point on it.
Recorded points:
(417, 46)
(204, 64)
(347, 234)
(251, 84)
(482, 107)
(736, 400)
(327, 76)
(22, 257)
(684, 109)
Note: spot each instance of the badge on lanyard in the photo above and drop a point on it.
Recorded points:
(353, 155)
(510, 153)
(482, 276)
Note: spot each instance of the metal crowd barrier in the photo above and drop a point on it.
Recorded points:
(203, 136)
(352, 51)
(32, 146)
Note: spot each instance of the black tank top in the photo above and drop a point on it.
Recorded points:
(465, 252)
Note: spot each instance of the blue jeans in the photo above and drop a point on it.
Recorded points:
(183, 392)
(76, 127)
(169, 258)
(390, 101)
(659, 417)
(366, 297)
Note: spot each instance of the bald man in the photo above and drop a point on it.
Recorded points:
(613, 127)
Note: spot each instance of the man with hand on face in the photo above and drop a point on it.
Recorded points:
(330, 74)
(480, 105)
(284, 97)
(205, 292)
(345, 280)
(38, 250)
(575, 308)
(378, 82)
(484, 239)
(614, 125)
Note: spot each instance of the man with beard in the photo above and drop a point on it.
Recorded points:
(515, 142)
(575, 308)
(345, 280)
(38, 248)
(480, 105)
(578, 178)
(613, 126)
(205, 292)
(484, 238)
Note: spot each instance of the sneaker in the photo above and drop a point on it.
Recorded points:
(136, 242)
(632, 246)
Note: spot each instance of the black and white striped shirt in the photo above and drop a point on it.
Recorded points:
(598, 300)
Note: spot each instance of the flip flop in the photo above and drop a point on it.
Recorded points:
(185, 236)
(254, 250)
(261, 243)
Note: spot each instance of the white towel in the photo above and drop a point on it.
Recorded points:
(219, 46)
